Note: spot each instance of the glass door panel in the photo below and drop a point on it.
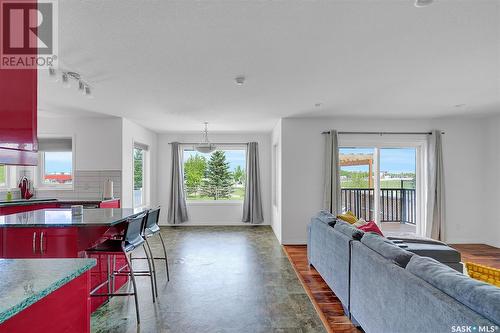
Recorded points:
(357, 179)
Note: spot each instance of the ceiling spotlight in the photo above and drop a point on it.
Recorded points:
(88, 92)
(81, 87)
(65, 80)
(240, 80)
(423, 3)
(53, 74)
(318, 105)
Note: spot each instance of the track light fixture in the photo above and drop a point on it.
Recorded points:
(67, 77)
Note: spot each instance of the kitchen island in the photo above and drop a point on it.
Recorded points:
(30, 289)
(56, 233)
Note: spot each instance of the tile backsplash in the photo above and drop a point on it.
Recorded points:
(86, 185)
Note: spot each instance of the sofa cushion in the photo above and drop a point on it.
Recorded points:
(348, 230)
(387, 249)
(440, 252)
(478, 296)
(325, 216)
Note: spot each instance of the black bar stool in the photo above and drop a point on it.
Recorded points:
(131, 240)
(151, 228)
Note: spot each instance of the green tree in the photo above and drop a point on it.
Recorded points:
(219, 180)
(138, 172)
(239, 175)
(194, 172)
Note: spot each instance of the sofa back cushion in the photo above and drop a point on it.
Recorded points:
(348, 230)
(478, 296)
(386, 249)
(325, 217)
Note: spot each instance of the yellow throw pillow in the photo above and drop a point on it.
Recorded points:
(349, 217)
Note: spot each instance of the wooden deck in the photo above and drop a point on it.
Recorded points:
(328, 305)
(324, 300)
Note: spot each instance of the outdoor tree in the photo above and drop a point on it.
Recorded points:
(219, 179)
(194, 172)
(239, 175)
(138, 168)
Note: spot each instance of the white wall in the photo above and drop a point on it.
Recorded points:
(302, 158)
(276, 181)
(97, 140)
(220, 213)
(131, 132)
(492, 187)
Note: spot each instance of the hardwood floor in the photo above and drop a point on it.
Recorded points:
(479, 254)
(324, 300)
(328, 305)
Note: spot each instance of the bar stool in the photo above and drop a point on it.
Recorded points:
(130, 241)
(151, 228)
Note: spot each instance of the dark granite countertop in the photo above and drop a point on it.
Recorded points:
(24, 202)
(62, 217)
(25, 281)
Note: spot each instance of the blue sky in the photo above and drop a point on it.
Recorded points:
(58, 162)
(391, 159)
(234, 157)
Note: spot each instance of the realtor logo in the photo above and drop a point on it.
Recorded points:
(28, 34)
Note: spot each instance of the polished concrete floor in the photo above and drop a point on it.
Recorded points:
(222, 279)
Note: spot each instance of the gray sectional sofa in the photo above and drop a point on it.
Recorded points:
(385, 288)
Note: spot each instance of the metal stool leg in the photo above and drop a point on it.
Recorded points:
(153, 263)
(132, 277)
(150, 272)
(165, 252)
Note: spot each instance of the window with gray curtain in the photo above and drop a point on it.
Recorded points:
(252, 205)
(177, 210)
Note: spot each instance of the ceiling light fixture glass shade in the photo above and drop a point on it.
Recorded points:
(88, 92)
(81, 87)
(65, 80)
(423, 3)
(205, 147)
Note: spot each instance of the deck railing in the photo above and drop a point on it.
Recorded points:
(396, 204)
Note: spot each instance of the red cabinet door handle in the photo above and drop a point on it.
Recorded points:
(34, 242)
(41, 242)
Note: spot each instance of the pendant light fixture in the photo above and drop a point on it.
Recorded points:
(205, 146)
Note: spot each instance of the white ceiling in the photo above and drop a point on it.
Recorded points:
(170, 65)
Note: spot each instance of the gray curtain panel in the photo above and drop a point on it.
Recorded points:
(332, 200)
(436, 195)
(252, 206)
(177, 210)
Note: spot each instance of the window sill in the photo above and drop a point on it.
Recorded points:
(215, 203)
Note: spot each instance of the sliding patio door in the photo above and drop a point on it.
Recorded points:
(383, 183)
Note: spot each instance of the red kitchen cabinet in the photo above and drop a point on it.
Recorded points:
(18, 116)
(66, 309)
(20, 243)
(110, 204)
(40, 242)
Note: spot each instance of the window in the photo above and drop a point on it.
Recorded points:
(219, 175)
(55, 168)
(140, 152)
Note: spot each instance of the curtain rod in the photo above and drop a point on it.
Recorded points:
(384, 133)
(214, 143)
